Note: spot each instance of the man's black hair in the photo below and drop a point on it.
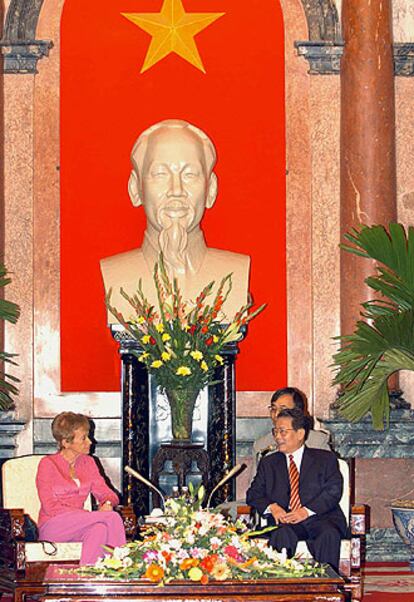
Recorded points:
(297, 397)
(299, 420)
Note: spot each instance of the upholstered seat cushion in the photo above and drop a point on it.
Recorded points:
(45, 551)
(345, 551)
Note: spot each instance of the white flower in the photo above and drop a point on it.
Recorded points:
(190, 539)
(199, 516)
(175, 544)
(215, 541)
(127, 562)
(120, 553)
(272, 554)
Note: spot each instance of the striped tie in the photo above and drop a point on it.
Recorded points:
(294, 503)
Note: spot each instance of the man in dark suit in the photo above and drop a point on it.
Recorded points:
(299, 489)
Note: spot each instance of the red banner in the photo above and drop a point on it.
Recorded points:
(106, 102)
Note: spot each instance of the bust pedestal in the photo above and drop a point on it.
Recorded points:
(145, 424)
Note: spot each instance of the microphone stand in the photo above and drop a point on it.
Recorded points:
(139, 476)
(236, 469)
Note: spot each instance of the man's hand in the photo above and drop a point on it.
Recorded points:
(106, 507)
(278, 512)
(296, 516)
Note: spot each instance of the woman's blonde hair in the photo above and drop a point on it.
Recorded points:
(65, 424)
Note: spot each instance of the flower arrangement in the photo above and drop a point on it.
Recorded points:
(181, 344)
(201, 546)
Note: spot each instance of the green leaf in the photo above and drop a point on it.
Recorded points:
(383, 342)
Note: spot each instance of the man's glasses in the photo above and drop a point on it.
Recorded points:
(283, 432)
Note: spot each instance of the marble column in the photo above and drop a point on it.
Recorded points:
(368, 167)
(1, 166)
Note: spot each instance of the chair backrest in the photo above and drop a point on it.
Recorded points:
(345, 501)
(19, 485)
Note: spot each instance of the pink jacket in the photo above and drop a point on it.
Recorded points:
(59, 493)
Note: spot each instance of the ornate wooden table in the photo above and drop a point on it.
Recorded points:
(81, 589)
(54, 583)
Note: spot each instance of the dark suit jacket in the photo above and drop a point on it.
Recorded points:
(320, 485)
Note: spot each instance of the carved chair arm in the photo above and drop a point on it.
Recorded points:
(359, 521)
(12, 536)
(11, 524)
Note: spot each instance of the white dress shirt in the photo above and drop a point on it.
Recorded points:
(297, 458)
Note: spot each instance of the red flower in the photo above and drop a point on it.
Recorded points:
(209, 341)
(231, 551)
(204, 580)
(152, 341)
(204, 329)
(167, 556)
(192, 329)
(208, 562)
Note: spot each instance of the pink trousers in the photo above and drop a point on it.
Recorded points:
(93, 529)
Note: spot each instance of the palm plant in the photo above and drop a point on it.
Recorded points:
(383, 342)
(9, 312)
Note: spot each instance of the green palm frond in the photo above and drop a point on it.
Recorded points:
(9, 312)
(383, 344)
(394, 249)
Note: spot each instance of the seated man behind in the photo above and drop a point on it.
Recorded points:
(287, 399)
(299, 489)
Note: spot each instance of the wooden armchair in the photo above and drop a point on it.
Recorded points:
(352, 550)
(20, 498)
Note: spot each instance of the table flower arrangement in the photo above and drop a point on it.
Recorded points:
(201, 546)
(182, 341)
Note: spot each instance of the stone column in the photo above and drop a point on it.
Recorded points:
(368, 169)
(1, 166)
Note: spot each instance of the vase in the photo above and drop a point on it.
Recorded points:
(182, 402)
(403, 519)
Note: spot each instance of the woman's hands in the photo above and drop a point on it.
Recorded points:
(106, 506)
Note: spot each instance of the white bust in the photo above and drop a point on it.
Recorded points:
(173, 179)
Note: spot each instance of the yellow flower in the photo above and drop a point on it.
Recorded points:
(204, 366)
(219, 359)
(160, 327)
(195, 573)
(186, 327)
(156, 364)
(221, 571)
(166, 356)
(165, 337)
(215, 338)
(143, 357)
(183, 371)
(196, 355)
(141, 320)
(145, 339)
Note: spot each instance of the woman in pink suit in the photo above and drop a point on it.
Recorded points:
(64, 480)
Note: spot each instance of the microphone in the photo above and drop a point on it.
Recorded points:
(139, 476)
(229, 475)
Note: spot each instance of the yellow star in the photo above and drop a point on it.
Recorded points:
(172, 30)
